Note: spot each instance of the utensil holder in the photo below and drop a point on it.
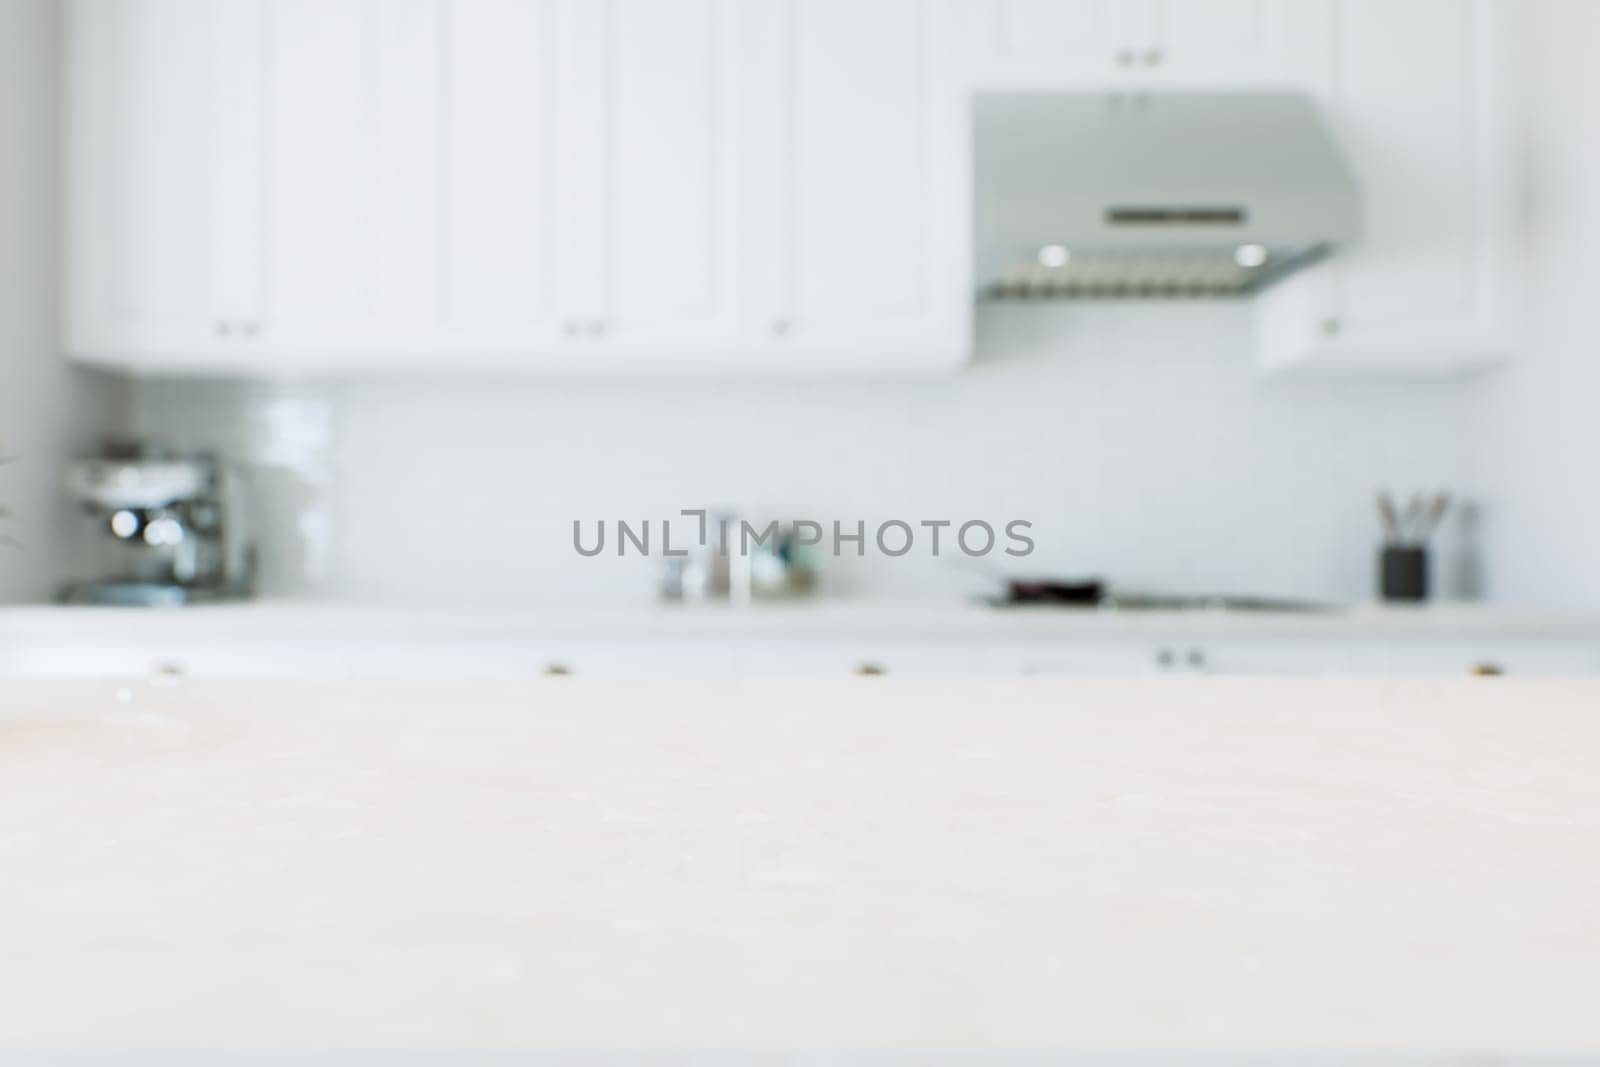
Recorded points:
(1403, 573)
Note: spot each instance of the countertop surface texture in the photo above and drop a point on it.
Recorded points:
(1104, 867)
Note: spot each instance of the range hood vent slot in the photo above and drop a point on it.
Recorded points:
(1175, 216)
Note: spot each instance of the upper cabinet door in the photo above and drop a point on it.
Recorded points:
(346, 84)
(862, 246)
(1219, 41)
(1101, 43)
(243, 179)
(670, 172)
(300, 185)
(150, 86)
(589, 178)
(507, 187)
(1415, 96)
(1086, 34)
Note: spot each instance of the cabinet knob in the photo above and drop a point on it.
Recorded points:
(1152, 57)
(1125, 57)
(570, 327)
(1197, 658)
(781, 327)
(1331, 327)
(596, 327)
(1165, 658)
(223, 329)
(249, 328)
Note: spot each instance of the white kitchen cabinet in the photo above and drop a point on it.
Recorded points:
(673, 199)
(148, 177)
(1416, 95)
(859, 251)
(1412, 657)
(750, 187)
(287, 642)
(238, 178)
(869, 658)
(1111, 43)
(299, 186)
(520, 263)
(341, 86)
(590, 182)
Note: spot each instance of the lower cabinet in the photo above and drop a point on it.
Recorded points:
(1404, 658)
(1443, 658)
(759, 659)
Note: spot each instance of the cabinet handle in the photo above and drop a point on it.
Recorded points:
(557, 670)
(239, 327)
(1487, 670)
(869, 670)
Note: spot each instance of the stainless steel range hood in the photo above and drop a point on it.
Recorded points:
(1154, 194)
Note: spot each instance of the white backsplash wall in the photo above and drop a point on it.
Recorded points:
(282, 438)
(1138, 439)
(46, 407)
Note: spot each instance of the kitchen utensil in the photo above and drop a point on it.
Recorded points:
(1417, 523)
(1391, 521)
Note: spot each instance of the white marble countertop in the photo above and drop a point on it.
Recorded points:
(1170, 865)
(830, 618)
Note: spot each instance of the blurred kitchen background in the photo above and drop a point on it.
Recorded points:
(1184, 446)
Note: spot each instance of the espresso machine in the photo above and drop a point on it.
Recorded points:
(164, 528)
